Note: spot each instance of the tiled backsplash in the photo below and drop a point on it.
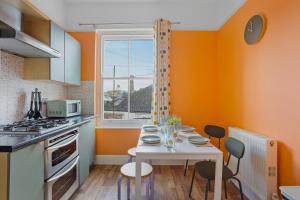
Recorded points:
(15, 92)
(85, 93)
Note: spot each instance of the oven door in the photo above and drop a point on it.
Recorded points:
(60, 154)
(63, 184)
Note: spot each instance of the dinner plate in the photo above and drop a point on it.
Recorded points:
(198, 140)
(185, 128)
(150, 128)
(150, 139)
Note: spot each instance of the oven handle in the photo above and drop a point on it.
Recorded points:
(64, 172)
(71, 139)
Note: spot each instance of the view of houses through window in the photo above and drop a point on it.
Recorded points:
(127, 77)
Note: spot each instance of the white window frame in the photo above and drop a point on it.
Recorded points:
(121, 123)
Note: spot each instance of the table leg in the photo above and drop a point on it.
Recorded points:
(138, 194)
(218, 177)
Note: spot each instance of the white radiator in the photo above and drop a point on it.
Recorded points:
(258, 169)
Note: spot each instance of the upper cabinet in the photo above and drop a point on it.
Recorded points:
(57, 41)
(34, 23)
(65, 69)
(72, 60)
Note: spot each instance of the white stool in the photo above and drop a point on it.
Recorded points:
(131, 153)
(128, 171)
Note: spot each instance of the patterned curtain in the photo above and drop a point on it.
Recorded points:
(161, 89)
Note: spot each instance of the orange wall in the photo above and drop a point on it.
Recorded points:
(259, 85)
(115, 141)
(97, 76)
(193, 85)
(87, 41)
(193, 77)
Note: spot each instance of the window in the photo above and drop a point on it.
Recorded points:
(127, 77)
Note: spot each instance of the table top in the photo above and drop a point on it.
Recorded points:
(290, 192)
(183, 148)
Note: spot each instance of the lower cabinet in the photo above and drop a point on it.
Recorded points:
(83, 152)
(86, 149)
(22, 171)
(92, 142)
(26, 173)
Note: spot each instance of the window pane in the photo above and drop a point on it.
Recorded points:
(115, 71)
(142, 57)
(115, 99)
(115, 61)
(140, 99)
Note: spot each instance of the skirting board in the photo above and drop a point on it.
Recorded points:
(122, 159)
(247, 191)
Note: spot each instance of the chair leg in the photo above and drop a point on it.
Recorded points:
(152, 187)
(206, 189)
(186, 166)
(147, 183)
(128, 188)
(194, 173)
(240, 186)
(225, 188)
(119, 187)
(209, 188)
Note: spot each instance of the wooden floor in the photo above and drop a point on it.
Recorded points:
(169, 184)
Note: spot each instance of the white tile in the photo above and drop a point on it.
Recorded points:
(85, 93)
(15, 92)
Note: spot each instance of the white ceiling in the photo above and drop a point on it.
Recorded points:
(192, 14)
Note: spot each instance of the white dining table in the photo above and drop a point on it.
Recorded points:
(182, 151)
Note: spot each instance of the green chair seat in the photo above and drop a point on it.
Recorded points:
(206, 169)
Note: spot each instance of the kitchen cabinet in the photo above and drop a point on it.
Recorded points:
(65, 69)
(92, 142)
(83, 152)
(45, 68)
(57, 42)
(72, 60)
(24, 174)
(86, 149)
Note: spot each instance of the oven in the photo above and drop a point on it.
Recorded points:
(62, 165)
(60, 150)
(62, 185)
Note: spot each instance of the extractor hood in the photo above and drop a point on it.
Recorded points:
(14, 41)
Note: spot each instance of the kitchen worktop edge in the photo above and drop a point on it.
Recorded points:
(11, 143)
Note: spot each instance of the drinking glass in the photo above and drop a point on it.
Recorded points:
(171, 139)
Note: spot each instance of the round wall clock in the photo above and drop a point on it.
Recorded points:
(255, 29)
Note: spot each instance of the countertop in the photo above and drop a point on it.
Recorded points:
(10, 143)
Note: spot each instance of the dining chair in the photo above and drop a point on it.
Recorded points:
(212, 131)
(206, 169)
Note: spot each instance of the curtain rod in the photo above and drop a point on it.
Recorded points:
(120, 23)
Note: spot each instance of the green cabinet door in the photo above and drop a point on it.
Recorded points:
(72, 60)
(84, 152)
(92, 141)
(26, 173)
(57, 42)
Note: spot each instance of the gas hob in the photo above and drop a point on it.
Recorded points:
(39, 126)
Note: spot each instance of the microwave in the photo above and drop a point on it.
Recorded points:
(63, 108)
